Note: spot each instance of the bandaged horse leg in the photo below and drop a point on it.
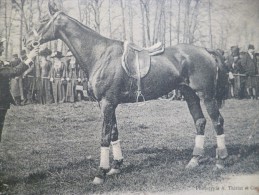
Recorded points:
(193, 102)
(108, 113)
(116, 150)
(218, 122)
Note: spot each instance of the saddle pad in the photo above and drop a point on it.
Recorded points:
(135, 63)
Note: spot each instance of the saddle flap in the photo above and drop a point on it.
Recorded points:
(136, 63)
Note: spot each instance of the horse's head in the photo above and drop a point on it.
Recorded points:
(47, 29)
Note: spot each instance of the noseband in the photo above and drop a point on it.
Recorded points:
(39, 36)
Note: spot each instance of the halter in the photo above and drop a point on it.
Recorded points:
(36, 34)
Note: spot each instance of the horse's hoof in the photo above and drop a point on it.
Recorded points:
(194, 162)
(219, 164)
(113, 171)
(98, 181)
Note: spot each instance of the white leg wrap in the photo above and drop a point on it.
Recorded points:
(198, 149)
(221, 141)
(199, 141)
(116, 149)
(105, 161)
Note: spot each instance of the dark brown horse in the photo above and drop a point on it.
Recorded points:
(185, 67)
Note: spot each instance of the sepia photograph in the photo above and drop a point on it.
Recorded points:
(129, 97)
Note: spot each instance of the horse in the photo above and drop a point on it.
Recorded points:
(190, 69)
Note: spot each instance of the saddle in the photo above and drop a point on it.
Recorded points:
(136, 61)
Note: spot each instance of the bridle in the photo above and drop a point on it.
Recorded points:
(36, 43)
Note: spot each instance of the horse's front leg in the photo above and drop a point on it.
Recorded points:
(109, 136)
(116, 149)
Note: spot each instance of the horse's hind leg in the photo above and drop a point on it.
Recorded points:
(109, 136)
(218, 122)
(193, 102)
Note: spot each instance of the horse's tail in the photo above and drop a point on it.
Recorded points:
(221, 82)
(221, 91)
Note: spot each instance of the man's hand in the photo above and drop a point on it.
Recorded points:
(33, 53)
(230, 75)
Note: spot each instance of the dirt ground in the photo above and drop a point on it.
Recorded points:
(54, 149)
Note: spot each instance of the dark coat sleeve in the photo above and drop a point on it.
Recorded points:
(10, 72)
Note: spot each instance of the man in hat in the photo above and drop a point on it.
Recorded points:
(249, 63)
(57, 77)
(5, 74)
(237, 83)
(29, 82)
(45, 67)
(15, 82)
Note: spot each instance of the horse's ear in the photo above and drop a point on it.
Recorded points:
(52, 8)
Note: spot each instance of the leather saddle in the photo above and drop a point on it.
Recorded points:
(136, 60)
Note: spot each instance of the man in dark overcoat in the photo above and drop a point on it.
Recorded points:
(237, 82)
(249, 63)
(6, 73)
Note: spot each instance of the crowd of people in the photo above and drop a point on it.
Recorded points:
(243, 73)
(54, 78)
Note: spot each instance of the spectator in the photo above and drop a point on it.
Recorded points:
(15, 82)
(237, 82)
(249, 64)
(57, 76)
(84, 82)
(72, 77)
(45, 68)
(29, 82)
(5, 74)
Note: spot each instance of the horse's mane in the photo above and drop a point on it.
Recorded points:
(88, 29)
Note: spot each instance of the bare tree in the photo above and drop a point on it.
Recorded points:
(178, 20)
(144, 44)
(20, 6)
(210, 28)
(79, 10)
(96, 5)
(145, 6)
(194, 22)
(109, 19)
(170, 22)
(186, 31)
(159, 5)
(123, 20)
(130, 11)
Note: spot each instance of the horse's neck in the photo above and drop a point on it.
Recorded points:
(85, 44)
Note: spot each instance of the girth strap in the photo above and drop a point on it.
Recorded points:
(139, 93)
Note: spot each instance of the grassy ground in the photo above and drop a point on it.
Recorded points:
(55, 149)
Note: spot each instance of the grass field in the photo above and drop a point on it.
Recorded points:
(54, 149)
